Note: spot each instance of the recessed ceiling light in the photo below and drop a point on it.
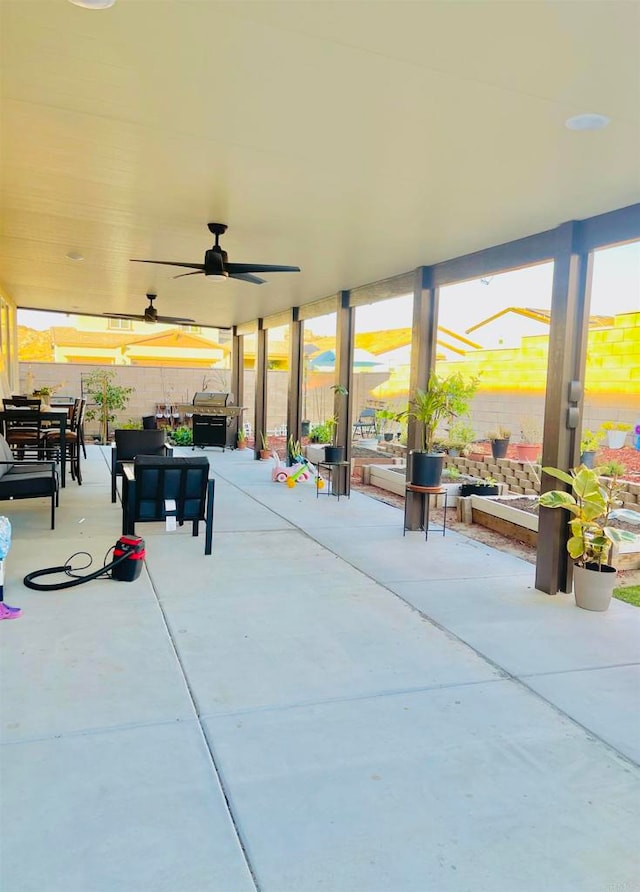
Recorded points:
(74, 255)
(93, 4)
(587, 122)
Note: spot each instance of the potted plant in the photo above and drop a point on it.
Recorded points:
(182, 436)
(384, 418)
(529, 447)
(591, 502)
(108, 398)
(499, 439)
(444, 398)
(480, 486)
(265, 451)
(616, 432)
(589, 445)
(242, 438)
(333, 452)
(459, 438)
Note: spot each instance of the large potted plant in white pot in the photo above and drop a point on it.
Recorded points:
(591, 503)
(445, 398)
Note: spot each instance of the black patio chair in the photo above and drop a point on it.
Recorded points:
(150, 481)
(129, 444)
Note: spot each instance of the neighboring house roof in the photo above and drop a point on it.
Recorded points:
(177, 338)
(538, 315)
(386, 340)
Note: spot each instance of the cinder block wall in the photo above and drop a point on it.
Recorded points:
(524, 477)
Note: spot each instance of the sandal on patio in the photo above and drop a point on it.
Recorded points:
(7, 612)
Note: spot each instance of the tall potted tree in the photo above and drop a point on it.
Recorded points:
(591, 503)
(107, 398)
(445, 398)
(333, 452)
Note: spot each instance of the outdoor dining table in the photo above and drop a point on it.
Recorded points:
(56, 417)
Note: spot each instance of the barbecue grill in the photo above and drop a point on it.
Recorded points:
(212, 417)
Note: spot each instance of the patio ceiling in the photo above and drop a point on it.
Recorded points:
(357, 140)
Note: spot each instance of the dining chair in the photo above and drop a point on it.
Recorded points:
(22, 433)
(72, 440)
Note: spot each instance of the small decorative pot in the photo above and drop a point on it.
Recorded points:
(588, 459)
(615, 439)
(527, 451)
(593, 586)
(499, 447)
(265, 454)
(334, 453)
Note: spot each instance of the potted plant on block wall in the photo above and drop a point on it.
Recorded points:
(591, 503)
(444, 398)
(530, 445)
(499, 439)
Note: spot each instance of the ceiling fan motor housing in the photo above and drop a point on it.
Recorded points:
(214, 262)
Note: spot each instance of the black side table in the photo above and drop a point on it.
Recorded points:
(425, 493)
(340, 485)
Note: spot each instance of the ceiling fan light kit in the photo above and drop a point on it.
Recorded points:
(216, 263)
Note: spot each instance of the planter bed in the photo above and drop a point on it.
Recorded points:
(516, 517)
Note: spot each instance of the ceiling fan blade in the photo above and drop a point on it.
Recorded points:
(199, 266)
(123, 316)
(198, 272)
(233, 268)
(247, 277)
(174, 320)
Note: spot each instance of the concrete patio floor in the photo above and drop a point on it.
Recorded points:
(322, 705)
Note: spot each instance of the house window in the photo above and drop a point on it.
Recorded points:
(120, 324)
(195, 328)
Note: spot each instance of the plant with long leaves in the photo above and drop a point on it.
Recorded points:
(592, 502)
(444, 398)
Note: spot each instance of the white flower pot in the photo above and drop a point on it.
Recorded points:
(615, 439)
(592, 588)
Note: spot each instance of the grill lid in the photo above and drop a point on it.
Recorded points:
(210, 399)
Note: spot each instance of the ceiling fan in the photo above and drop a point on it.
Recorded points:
(150, 315)
(216, 263)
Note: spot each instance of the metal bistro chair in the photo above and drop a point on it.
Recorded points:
(149, 482)
(366, 423)
(129, 444)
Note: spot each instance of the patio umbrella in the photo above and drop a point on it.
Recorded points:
(363, 361)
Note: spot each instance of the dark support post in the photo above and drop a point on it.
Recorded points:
(423, 360)
(260, 416)
(295, 375)
(344, 374)
(237, 380)
(564, 398)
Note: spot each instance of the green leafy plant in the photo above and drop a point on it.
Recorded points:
(242, 437)
(592, 499)
(108, 398)
(384, 420)
(590, 441)
(338, 390)
(452, 473)
(133, 424)
(444, 398)
(321, 433)
(182, 436)
(460, 436)
(264, 440)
